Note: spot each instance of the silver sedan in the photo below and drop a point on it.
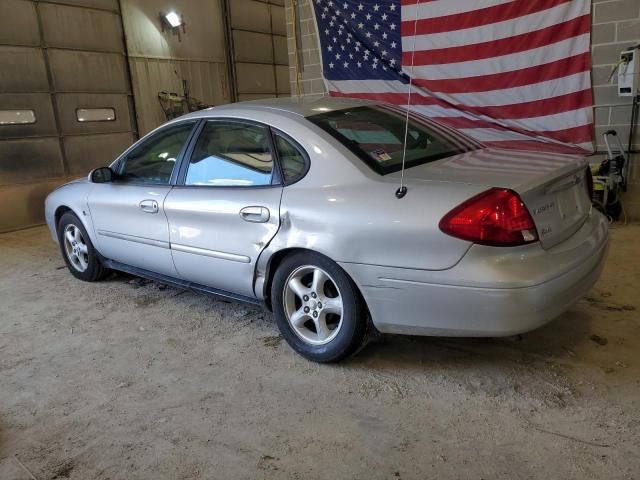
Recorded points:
(296, 204)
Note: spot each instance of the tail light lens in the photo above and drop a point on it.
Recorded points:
(496, 217)
(589, 182)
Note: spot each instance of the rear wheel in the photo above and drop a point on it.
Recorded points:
(78, 251)
(318, 308)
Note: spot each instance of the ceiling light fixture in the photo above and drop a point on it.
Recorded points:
(173, 19)
(172, 22)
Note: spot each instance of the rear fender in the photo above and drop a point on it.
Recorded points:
(366, 224)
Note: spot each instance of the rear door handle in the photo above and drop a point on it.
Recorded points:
(149, 206)
(255, 214)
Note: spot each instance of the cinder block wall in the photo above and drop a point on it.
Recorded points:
(616, 25)
(308, 54)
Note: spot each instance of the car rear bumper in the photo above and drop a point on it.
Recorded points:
(492, 291)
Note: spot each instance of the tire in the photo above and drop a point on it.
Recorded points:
(340, 324)
(77, 250)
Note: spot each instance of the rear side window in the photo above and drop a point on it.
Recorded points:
(231, 154)
(292, 160)
(376, 135)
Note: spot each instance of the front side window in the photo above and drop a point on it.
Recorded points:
(231, 154)
(376, 135)
(154, 159)
(292, 160)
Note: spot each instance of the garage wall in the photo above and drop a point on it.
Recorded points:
(58, 57)
(305, 69)
(159, 61)
(616, 25)
(259, 44)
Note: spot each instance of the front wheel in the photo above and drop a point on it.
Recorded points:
(318, 308)
(78, 251)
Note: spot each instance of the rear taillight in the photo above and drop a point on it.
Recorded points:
(589, 182)
(496, 217)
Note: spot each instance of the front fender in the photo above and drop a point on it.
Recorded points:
(69, 197)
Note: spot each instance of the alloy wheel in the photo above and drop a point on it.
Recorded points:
(313, 305)
(76, 248)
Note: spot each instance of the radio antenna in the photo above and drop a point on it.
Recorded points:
(402, 190)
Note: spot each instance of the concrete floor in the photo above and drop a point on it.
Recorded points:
(126, 379)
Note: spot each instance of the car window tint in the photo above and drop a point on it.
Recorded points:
(153, 160)
(376, 135)
(231, 154)
(292, 161)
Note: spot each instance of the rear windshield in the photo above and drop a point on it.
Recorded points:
(376, 135)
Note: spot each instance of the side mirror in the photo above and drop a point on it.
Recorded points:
(101, 175)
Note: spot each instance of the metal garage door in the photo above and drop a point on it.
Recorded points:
(65, 102)
(259, 44)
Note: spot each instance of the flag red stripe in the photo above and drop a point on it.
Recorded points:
(536, 108)
(413, 2)
(524, 74)
(476, 18)
(498, 81)
(394, 98)
(504, 46)
(579, 134)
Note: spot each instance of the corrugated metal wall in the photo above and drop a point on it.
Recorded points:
(57, 57)
(160, 61)
(259, 35)
(207, 82)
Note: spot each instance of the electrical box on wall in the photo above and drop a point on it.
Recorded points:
(629, 73)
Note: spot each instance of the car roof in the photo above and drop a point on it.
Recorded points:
(302, 105)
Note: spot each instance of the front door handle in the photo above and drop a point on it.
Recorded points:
(149, 206)
(255, 214)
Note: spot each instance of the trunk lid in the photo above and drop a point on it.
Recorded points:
(559, 206)
(552, 186)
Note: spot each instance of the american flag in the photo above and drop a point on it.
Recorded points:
(509, 73)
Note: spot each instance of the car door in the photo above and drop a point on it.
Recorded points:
(225, 208)
(128, 213)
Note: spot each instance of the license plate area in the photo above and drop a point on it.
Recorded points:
(567, 202)
(571, 202)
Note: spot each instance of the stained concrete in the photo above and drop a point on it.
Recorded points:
(126, 379)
